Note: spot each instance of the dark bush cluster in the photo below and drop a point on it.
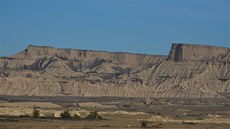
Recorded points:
(94, 116)
(144, 124)
(65, 114)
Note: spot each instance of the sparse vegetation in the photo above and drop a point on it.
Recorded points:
(191, 123)
(94, 116)
(76, 116)
(105, 126)
(36, 113)
(65, 114)
(172, 116)
(144, 124)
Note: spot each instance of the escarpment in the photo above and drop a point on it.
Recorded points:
(188, 52)
(189, 71)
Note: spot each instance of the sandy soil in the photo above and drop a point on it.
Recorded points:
(29, 104)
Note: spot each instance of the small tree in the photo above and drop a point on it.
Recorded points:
(36, 112)
(65, 114)
(94, 116)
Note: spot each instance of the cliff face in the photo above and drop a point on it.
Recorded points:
(181, 52)
(190, 71)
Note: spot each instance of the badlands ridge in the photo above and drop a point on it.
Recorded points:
(189, 71)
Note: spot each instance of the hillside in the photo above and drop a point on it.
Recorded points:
(190, 71)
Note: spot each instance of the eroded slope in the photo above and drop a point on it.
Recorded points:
(190, 71)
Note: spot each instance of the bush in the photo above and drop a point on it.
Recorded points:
(76, 116)
(105, 126)
(36, 112)
(65, 114)
(144, 124)
(94, 116)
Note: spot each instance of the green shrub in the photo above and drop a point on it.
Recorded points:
(76, 116)
(94, 116)
(36, 112)
(65, 114)
(144, 124)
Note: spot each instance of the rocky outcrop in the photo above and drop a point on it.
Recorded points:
(188, 52)
(190, 71)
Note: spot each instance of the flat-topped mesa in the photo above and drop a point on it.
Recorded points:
(188, 52)
(37, 52)
(34, 52)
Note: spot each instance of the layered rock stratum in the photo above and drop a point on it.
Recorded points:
(189, 71)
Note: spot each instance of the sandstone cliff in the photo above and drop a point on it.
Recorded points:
(190, 71)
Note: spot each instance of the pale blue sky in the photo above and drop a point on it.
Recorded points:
(137, 26)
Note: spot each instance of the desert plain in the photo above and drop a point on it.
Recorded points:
(117, 113)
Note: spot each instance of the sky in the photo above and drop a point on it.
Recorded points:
(136, 26)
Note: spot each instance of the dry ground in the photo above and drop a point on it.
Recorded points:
(119, 113)
(111, 122)
(29, 104)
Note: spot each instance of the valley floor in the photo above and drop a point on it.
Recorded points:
(117, 113)
(111, 122)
